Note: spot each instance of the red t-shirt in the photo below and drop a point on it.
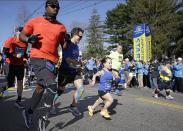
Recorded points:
(15, 46)
(51, 34)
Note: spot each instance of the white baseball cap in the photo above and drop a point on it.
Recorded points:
(126, 59)
(179, 59)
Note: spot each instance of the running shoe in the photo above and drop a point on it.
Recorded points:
(27, 118)
(169, 97)
(75, 111)
(155, 96)
(105, 114)
(90, 111)
(11, 89)
(117, 92)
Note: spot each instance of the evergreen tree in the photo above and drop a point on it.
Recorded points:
(162, 16)
(177, 48)
(95, 36)
(117, 22)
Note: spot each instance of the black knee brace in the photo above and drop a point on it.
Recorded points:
(49, 95)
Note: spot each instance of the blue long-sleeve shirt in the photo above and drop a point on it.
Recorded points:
(178, 70)
(140, 68)
(126, 67)
(91, 64)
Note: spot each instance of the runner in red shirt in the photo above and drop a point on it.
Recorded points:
(45, 34)
(15, 52)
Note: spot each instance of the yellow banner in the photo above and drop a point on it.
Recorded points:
(136, 48)
(148, 48)
(142, 43)
(139, 48)
(143, 48)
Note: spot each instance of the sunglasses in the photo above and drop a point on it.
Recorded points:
(54, 6)
(80, 36)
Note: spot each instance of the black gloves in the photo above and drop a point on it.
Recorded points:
(33, 39)
(6, 52)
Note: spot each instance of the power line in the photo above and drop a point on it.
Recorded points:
(69, 4)
(94, 4)
(29, 16)
(34, 11)
(71, 11)
(72, 5)
(70, 8)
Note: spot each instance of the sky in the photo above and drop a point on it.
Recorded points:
(71, 12)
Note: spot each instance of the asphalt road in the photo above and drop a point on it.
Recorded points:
(135, 110)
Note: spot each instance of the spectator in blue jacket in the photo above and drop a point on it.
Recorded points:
(91, 64)
(91, 67)
(178, 73)
(140, 69)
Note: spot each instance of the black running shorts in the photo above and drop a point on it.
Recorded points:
(65, 77)
(44, 76)
(102, 93)
(13, 71)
